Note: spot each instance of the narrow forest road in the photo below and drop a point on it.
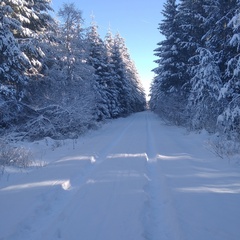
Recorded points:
(134, 179)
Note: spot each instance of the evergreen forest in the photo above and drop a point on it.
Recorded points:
(57, 78)
(197, 78)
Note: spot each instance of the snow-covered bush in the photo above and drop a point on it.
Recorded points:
(60, 122)
(171, 108)
(14, 156)
(223, 147)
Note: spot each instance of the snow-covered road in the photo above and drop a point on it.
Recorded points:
(133, 179)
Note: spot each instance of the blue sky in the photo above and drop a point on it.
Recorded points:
(136, 21)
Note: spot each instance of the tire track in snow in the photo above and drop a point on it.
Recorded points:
(160, 217)
(106, 150)
(111, 188)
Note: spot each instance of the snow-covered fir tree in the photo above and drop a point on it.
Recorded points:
(126, 76)
(217, 37)
(111, 77)
(209, 64)
(170, 75)
(207, 61)
(35, 19)
(190, 17)
(229, 120)
(23, 23)
(168, 50)
(13, 63)
(97, 58)
(203, 106)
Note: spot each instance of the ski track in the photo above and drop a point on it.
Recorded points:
(160, 220)
(126, 181)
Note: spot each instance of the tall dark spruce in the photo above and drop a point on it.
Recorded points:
(167, 97)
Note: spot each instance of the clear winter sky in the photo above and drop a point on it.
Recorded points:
(136, 21)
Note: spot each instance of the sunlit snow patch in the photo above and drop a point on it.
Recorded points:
(92, 159)
(127, 155)
(66, 185)
(30, 185)
(231, 189)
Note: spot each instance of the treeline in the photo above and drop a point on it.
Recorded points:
(197, 79)
(59, 79)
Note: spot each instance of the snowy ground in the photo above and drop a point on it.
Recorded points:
(134, 179)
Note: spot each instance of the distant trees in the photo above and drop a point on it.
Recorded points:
(119, 89)
(196, 80)
(61, 78)
(130, 93)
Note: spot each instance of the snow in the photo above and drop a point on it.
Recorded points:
(135, 178)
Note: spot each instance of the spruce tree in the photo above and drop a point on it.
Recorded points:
(191, 17)
(168, 50)
(203, 106)
(111, 77)
(221, 40)
(35, 20)
(126, 77)
(205, 76)
(13, 63)
(97, 58)
(167, 95)
(218, 15)
(229, 120)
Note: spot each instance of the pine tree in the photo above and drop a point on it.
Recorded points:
(98, 60)
(126, 76)
(168, 51)
(111, 77)
(167, 95)
(205, 76)
(207, 65)
(203, 105)
(34, 19)
(137, 92)
(13, 63)
(191, 18)
(22, 22)
(229, 120)
(217, 38)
